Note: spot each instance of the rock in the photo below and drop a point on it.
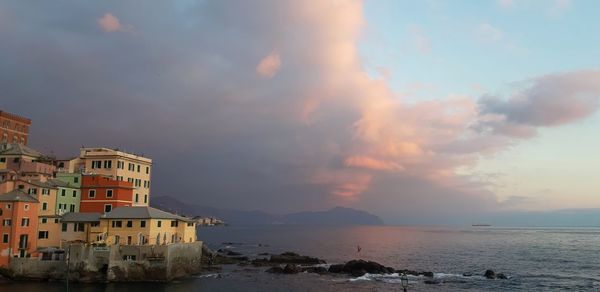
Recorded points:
(228, 252)
(408, 272)
(291, 269)
(433, 281)
(467, 274)
(339, 268)
(358, 273)
(275, 270)
(427, 274)
(490, 274)
(316, 270)
(501, 276)
(355, 266)
(262, 263)
(294, 258)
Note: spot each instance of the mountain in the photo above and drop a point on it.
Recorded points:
(334, 216)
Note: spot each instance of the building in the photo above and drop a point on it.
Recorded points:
(48, 216)
(68, 198)
(25, 161)
(128, 226)
(102, 194)
(14, 128)
(117, 164)
(18, 225)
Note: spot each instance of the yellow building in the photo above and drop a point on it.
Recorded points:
(120, 166)
(48, 218)
(128, 226)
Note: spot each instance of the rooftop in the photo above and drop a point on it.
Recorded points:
(81, 217)
(141, 213)
(101, 151)
(18, 149)
(17, 196)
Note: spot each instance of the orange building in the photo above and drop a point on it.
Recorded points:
(101, 194)
(18, 225)
(14, 128)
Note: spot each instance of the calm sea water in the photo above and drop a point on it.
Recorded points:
(535, 259)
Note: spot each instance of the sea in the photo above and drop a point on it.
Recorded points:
(533, 259)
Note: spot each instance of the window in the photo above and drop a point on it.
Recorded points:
(64, 227)
(44, 206)
(117, 239)
(145, 199)
(4, 238)
(26, 207)
(44, 220)
(109, 193)
(6, 222)
(74, 194)
(129, 223)
(137, 198)
(56, 220)
(72, 208)
(117, 224)
(190, 224)
(119, 178)
(45, 191)
(138, 168)
(76, 179)
(129, 257)
(131, 167)
(33, 191)
(107, 163)
(147, 170)
(158, 223)
(43, 234)
(143, 223)
(108, 208)
(25, 222)
(121, 164)
(92, 194)
(96, 164)
(16, 160)
(8, 206)
(63, 192)
(0, 212)
(3, 159)
(174, 223)
(78, 227)
(95, 224)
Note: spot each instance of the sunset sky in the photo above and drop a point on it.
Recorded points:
(417, 111)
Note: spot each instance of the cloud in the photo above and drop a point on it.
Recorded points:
(488, 33)
(269, 65)
(559, 7)
(421, 43)
(371, 163)
(506, 4)
(110, 23)
(184, 91)
(546, 101)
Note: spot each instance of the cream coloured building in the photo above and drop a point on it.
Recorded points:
(117, 164)
(128, 226)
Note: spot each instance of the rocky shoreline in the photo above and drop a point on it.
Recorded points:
(289, 263)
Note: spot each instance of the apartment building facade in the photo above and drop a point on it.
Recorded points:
(102, 194)
(18, 225)
(14, 128)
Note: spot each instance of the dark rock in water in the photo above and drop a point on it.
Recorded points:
(291, 269)
(294, 258)
(316, 270)
(275, 270)
(262, 263)
(228, 252)
(408, 272)
(339, 268)
(427, 274)
(358, 273)
(490, 274)
(501, 276)
(355, 266)
(433, 281)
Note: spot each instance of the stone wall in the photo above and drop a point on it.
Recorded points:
(116, 263)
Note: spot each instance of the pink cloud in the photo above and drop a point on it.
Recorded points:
(269, 65)
(110, 23)
(372, 163)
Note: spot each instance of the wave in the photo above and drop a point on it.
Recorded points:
(396, 278)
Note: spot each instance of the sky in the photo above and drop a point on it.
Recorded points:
(417, 111)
